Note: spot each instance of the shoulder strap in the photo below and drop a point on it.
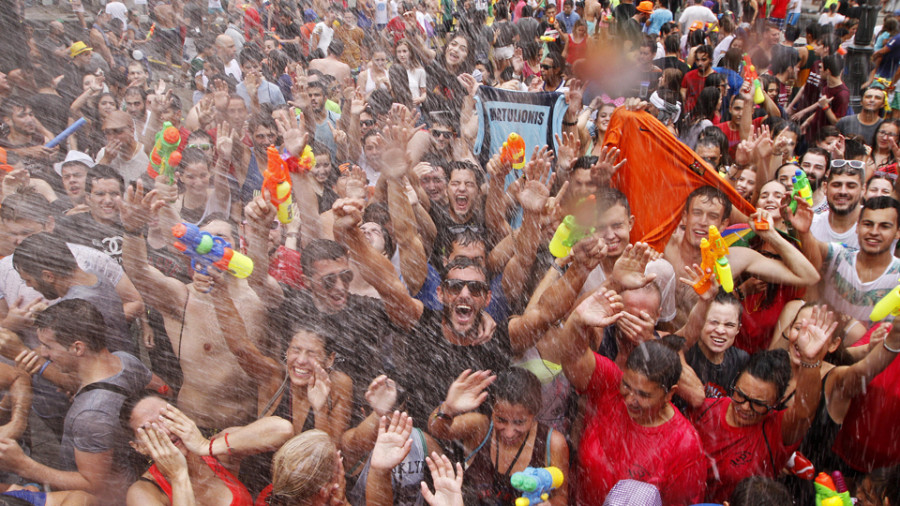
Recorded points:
(421, 436)
(487, 438)
(548, 460)
(103, 386)
(275, 398)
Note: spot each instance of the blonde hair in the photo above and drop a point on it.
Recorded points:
(302, 466)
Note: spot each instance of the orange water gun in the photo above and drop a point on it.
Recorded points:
(277, 180)
(513, 151)
(714, 262)
(751, 75)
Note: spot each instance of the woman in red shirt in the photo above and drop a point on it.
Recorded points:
(747, 435)
(576, 43)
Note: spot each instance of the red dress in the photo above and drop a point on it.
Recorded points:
(240, 496)
(614, 447)
(736, 453)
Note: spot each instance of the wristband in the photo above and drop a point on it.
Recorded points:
(569, 123)
(440, 413)
(210, 445)
(41, 372)
(884, 343)
(814, 365)
(227, 446)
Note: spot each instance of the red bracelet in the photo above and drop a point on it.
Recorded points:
(210, 445)
(227, 446)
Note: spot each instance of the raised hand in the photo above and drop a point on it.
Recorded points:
(467, 392)
(447, 483)
(815, 333)
(347, 213)
(588, 252)
(693, 274)
(606, 165)
(761, 215)
(224, 141)
(601, 309)
(802, 218)
(469, 83)
(382, 395)
(569, 148)
(260, 212)
(292, 130)
(637, 328)
(137, 207)
(182, 426)
(319, 388)
(628, 271)
(535, 193)
(393, 443)
(167, 457)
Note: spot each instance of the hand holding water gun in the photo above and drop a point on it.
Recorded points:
(165, 155)
(535, 483)
(570, 232)
(751, 75)
(207, 250)
(832, 492)
(801, 187)
(278, 182)
(513, 151)
(714, 262)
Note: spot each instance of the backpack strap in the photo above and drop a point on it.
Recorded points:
(102, 385)
(548, 460)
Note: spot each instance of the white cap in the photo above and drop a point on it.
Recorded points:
(74, 156)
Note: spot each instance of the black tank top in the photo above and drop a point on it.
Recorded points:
(483, 484)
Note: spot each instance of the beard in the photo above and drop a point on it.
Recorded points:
(473, 329)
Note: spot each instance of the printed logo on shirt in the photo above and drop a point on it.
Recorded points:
(742, 458)
(638, 472)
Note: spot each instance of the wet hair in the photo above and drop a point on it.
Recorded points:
(882, 202)
(854, 149)
(218, 216)
(518, 386)
(320, 249)
(25, 204)
(706, 107)
(815, 150)
(712, 193)
(301, 467)
(791, 32)
(833, 63)
(728, 299)
(74, 320)
(783, 60)
(44, 252)
(892, 487)
(672, 43)
(10, 105)
(465, 165)
(760, 491)
(191, 156)
(250, 54)
(131, 402)
(771, 366)
(608, 197)
(468, 237)
(657, 361)
(464, 263)
(778, 125)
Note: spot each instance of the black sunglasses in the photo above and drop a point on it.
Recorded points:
(758, 406)
(547, 67)
(366, 122)
(441, 133)
(328, 281)
(454, 287)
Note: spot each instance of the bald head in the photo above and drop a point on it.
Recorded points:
(225, 47)
(57, 28)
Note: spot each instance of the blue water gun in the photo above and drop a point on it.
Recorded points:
(206, 249)
(535, 483)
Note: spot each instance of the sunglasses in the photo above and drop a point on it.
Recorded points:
(329, 280)
(454, 287)
(758, 406)
(366, 122)
(854, 164)
(544, 66)
(441, 133)
(204, 147)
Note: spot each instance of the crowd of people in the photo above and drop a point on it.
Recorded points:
(426, 316)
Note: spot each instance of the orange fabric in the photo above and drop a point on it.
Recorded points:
(660, 173)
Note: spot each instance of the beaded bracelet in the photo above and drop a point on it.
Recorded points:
(811, 366)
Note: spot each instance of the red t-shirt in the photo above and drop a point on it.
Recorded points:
(614, 447)
(693, 83)
(870, 435)
(734, 136)
(736, 453)
(779, 9)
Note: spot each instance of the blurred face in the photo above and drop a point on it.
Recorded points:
(814, 165)
(380, 59)
(789, 138)
(567, 9)
(474, 251)
(442, 137)
(549, 72)
(323, 167)
(746, 183)
(137, 76)
(637, 301)
(866, 495)
(104, 200)
(463, 191)
(135, 106)
(251, 67)
(580, 31)
(750, 400)
(51, 349)
(736, 110)
(645, 55)
(22, 121)
(512, 422)
(873, 100)
(237, 111)
(721, 327)
(887, 133)
(770, 198)
(226, 48)
(19, 230)
(305, 352)
(263, 137)
(73, 176)
(703, 62)
(366, 123)
(843, 193)
(403, 54)
(269, 46)
(372, 148)
(644, 399)
(700, 214)
(879, 188)
(106, 105)
(316, 98)
(330, 284)
(772, 91)
(374, 235)
(435, 185)
(195, 178)
(456, 53)
(122, 134)
(614, 227)
(581, 184)
(465, 293)
(711, 154)
(773, 35)
(603, 116)
(876, 230)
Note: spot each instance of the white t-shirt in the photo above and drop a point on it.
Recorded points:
(381, 12)
(326, 33)
(233, 69)
(845, 293)
(118, 10)
(665, 280)
(89, 260)
(695, 13)
(825, 19)
(416, 81)
(822, 231)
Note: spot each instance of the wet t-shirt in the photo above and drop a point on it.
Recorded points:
(717, 378)
(430, 363)
(81, 228)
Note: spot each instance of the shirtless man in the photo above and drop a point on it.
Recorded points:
(332, 65)
(707, 206)
(216, 393)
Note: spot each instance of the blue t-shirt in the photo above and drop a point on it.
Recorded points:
(657, 19)
(891, 60)
(568, 21)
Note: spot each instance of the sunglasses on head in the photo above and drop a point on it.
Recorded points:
(854, 164)
(329, 280)
(441, 133)
(454, 287)
(204, 147)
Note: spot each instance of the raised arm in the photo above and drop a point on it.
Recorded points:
(814, 250)
(697, 318)
(18, 384)
(600, 310)
(391, 447)
(293, 131)
(814, 335)
(259, 366)
(260, 213)
(455, 417)
(793, 269)
(376, 269)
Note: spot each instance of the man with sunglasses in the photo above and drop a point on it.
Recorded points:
(440, 344)
(854, 280)
(844, 187)
(122, 151)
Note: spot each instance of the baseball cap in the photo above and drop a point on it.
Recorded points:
(646, 7)
(77, 48)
